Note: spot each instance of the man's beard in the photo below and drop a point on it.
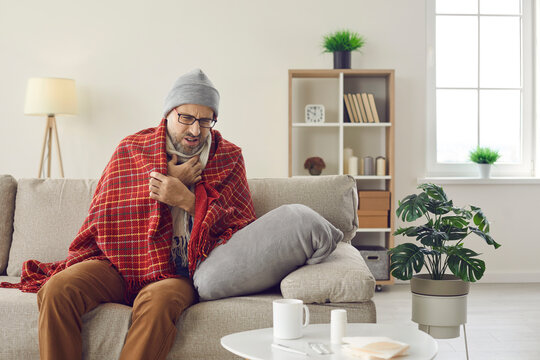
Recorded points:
(188, 150)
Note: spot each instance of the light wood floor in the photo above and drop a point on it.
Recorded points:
(503, 321)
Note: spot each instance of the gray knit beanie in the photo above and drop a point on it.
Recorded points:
(192, 88)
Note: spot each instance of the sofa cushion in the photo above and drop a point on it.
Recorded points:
(48, 215)
(8, 189)
(341, 277)
(201, 326)
(264, 252)
(19, 333)
(334, 197)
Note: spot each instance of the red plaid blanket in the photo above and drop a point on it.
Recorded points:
(133, 231)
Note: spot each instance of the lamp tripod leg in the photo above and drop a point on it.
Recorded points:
(49, 150)
(43, 148)
(58, 146)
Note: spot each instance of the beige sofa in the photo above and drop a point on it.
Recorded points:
(39, 219)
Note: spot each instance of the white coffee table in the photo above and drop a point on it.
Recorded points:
(256, 344)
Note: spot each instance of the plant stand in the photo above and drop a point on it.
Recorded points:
(426, 312)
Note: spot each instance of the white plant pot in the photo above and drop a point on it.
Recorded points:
(439, 307)
(485, 170)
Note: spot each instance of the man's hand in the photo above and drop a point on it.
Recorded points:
(171, 191)
(189, 173)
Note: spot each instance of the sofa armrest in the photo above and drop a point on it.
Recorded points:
(8, 190)
(341, 277)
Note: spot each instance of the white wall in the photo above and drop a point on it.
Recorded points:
(125, 55)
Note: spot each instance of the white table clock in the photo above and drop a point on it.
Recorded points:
(314, 113)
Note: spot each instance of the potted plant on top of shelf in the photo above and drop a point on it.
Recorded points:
(484, 157)
(439, 303)
(341, 43)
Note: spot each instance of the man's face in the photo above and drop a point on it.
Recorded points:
(188, 139)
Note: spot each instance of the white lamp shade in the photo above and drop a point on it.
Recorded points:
(50, 96)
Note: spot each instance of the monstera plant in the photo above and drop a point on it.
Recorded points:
(441, 238)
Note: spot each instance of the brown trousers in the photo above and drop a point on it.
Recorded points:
(80, 288)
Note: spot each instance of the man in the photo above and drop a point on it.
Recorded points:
(151, 222)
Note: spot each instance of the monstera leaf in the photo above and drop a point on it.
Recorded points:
(454, 233)
(480, 219)
(439, 207)
(431, 237)
(412, 207)
(489, 240)
(408, 231)
(407, 259)
(434, 191)
(456, 221)
(463, 264)
(466, 214)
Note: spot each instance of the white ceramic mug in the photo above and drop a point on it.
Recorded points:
(288, 314)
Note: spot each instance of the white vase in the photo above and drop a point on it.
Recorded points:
(485, 170)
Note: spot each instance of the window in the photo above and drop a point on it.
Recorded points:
(480, 82)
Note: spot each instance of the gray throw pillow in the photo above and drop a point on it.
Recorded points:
(264, 252)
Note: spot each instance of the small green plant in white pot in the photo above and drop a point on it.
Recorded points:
(484, 157)
(439, 298)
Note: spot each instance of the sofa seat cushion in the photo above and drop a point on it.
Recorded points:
(341, 277)
(201, 326)
(19, 330)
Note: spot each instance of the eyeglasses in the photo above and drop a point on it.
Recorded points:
(190, 120)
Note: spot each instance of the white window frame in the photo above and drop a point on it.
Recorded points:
(528, 129)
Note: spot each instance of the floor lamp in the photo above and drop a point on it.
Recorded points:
(51, 97)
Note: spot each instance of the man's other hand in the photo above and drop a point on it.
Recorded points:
(171, 191)
(189, 173)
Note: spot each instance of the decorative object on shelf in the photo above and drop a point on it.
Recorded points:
(381, 165)
(347, 153)
(353, 166)
(376, 258)
(484, 157)
(350, 114)
(314, 165)
(368, 166)
(314, 113)
(439, 300)
(370, 219)
(373, 208)
(374, 200)
(372, 107)
(341, 43)
(51, 97)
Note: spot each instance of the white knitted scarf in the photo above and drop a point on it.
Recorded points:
(180, 217)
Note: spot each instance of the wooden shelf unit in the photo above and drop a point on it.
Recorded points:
(327, 140)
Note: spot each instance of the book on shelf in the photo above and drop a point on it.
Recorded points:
(348, 107)
(355, 115)
(371, 99)
(362, 109)
(365, 101)
(357, 107)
